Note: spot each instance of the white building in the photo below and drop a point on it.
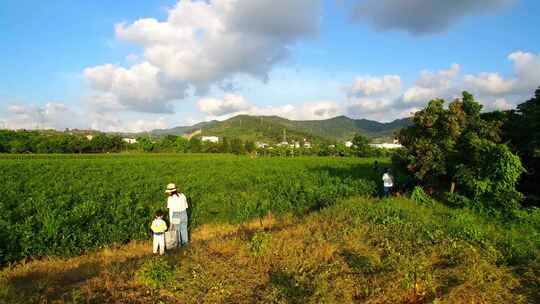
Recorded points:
(386, 146)
(89, 137)
(348, 144)
(261, 145)
(283, 143)
(130, 140)
(212, 139)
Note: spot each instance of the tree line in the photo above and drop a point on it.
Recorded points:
(23, 141)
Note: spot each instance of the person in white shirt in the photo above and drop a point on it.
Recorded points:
(177, 205)
(388, 182)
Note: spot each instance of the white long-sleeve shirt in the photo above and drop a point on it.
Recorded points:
(388, 181)
(176, 204)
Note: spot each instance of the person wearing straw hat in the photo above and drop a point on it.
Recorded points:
(177, 205)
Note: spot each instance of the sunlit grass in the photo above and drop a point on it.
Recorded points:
(359, 250)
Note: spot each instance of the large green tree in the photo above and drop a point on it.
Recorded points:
(456, 146)
(361, 146)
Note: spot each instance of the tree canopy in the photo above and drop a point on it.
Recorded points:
(456, 146)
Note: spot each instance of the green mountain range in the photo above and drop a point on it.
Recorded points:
(275, 129)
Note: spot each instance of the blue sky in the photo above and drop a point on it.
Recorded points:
(70, 64)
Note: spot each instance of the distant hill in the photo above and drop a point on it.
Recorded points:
(274, 128)
(182, 130)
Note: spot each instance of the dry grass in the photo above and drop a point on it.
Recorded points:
(334, 256)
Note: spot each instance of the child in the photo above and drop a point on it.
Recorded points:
(158, 228)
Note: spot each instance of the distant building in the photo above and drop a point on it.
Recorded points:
(386, 146)
(283, 143)
(130, 140)
(261, 145)
(307, 145)
(89, 136)
(212, 139)
(348, 144)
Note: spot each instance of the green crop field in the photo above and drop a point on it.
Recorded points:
(264, 230)
(66, 204)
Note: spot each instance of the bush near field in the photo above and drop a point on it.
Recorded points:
(66, 204)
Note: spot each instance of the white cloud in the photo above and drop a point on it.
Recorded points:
(373, 96)
(526, 69)
(232, 105)
(368, 97)
(375, 86)
(501, 104)
(59, 116)
(525, 79)
(52, 115)
(320, 110)
(421, 17)
(489, 83)
(136, 88)
(202, 44)
(218, 107)
(112, 123)
(430, 85)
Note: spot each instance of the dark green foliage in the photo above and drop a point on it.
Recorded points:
(456, 200)
(58, 142)
(490, 173)
(237, 146)
(522, 130)
(155, 273)
(250, 147)
(361, 146)
(418, 195)
(146, 144)
(181, 145)
(456, 145)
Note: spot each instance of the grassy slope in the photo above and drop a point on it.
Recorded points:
(344, 128)
(269, 128)
(359, 250)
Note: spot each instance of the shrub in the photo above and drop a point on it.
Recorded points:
(492, 174)
(418, 195)
(259, 243)
(456, 200)
(155, 273)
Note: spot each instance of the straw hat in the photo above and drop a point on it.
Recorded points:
(170, 188)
